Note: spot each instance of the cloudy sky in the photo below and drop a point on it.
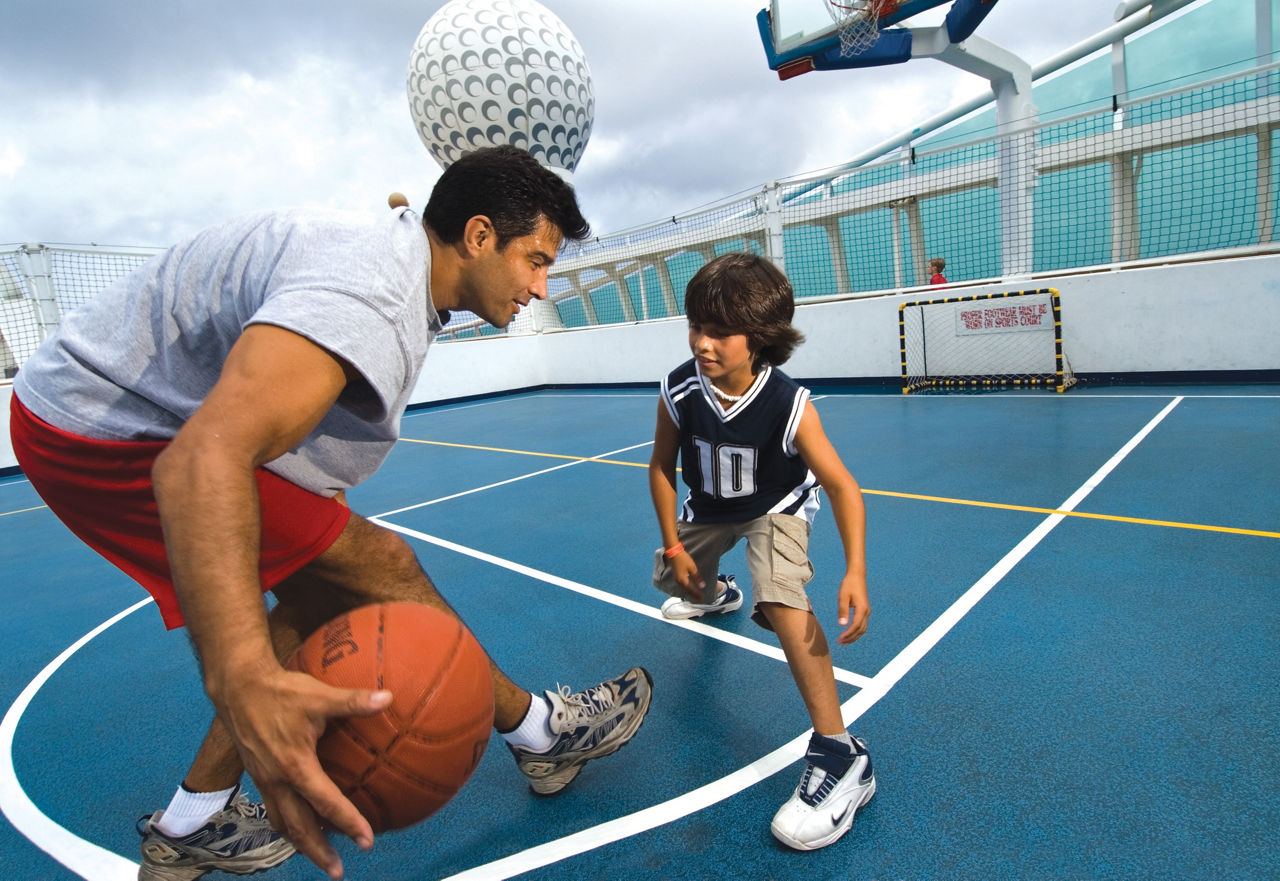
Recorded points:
(137, 123)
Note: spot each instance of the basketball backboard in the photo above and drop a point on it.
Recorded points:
(799, 23)
(804, 35)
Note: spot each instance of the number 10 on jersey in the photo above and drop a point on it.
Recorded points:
(728, 470)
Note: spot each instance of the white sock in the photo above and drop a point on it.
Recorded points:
(533, 732)
(189, 810)
(844, 737)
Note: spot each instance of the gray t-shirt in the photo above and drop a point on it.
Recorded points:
(137, 360)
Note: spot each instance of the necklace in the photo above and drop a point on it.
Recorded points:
(725, 396)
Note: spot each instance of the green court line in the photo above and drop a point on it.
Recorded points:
(1115, 518)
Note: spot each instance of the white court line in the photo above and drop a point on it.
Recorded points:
(509, 480)
(1070, 396)
(94, 863)
(666, 812)
(448, 408)
(604, 596)
(443, 407)
(86, 859)
(633, 393)
(733, 639)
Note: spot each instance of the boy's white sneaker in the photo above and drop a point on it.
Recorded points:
(836, 782)
(728, 600)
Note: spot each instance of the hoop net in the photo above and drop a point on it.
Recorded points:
(859, 23)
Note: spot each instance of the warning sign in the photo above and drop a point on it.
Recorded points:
(1001, 317)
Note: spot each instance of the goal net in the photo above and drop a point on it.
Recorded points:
(1013, 339)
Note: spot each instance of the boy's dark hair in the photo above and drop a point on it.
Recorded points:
(746, 294)
(509, 187)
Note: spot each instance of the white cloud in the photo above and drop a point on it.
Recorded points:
(313, 111)
(11, 160)
(147, 171)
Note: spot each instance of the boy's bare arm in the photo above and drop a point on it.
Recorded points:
(851, 521)
(662, 488)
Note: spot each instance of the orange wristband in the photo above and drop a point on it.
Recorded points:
(674, 551)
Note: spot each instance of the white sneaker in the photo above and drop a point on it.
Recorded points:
(728, 600)
(836, 782)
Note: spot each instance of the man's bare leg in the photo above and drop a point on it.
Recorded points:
(366, 564)
(369, 564)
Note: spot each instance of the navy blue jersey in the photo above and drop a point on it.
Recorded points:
(740, 463)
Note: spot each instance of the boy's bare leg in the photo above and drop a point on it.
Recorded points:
(809, 657)
(837, 778)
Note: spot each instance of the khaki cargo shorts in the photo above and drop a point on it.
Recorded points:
(777, 558)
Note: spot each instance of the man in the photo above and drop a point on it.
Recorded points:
(198, 424)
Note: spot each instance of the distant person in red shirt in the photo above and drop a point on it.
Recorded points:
(936, 265)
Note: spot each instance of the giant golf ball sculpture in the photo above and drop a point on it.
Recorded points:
(490, 72)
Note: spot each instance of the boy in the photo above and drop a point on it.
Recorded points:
(754, 455)
(936, 265)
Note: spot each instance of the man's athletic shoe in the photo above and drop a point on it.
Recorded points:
(729, 599)
(587, 725)
(238, 839)
(836, 782)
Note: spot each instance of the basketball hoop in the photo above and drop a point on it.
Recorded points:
(859, 22)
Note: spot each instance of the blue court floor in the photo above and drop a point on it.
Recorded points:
(1070, 671)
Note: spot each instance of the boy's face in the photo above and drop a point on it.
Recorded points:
(720, 353)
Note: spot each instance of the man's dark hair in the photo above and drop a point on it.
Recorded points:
(746, 294)
(509, 187)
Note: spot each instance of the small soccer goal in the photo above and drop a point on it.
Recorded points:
(1011, 339)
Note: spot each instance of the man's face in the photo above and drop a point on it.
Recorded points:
(505, 279)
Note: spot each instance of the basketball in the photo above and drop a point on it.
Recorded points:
(402, 765)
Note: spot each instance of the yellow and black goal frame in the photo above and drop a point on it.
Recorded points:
(917, 376)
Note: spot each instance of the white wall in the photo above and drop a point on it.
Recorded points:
(615, 354)
(1221, 315)
(1217, 315)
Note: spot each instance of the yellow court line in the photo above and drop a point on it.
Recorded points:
(1113, 517)
(525, 452)
(22, 510)
(1116, 518)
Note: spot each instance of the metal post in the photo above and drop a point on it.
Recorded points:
(1126, 239)
(1266, 88)
(664, 281)
(898, 281)
(775, 247)
(1010, 79)
(839, 264)
(36, 265)
(915, 236)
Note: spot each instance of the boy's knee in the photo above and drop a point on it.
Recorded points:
(782, 617)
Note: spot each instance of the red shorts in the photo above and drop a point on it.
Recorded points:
(102, 491)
